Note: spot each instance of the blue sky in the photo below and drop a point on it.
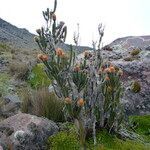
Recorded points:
(121, 17)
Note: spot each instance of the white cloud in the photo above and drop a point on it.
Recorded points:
(121, 17)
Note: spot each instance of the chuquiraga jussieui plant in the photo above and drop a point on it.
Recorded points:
(91, 89)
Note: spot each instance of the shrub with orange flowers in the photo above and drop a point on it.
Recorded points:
(90, 88)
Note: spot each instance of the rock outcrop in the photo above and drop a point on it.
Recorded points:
(132, 54)
(136, 69)
(26, 132)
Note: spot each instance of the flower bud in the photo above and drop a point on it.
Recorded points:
(59, 52)
(68, 100)
(36, 39)
(120, 72)
(44, 58)
(112, 69)
(80, 102)
(77, 68)
(39, 56)
(38, 31)
(107, 78)
(54, 17)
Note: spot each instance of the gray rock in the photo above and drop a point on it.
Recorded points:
(11, 105)
(12, 98)
(26, 132)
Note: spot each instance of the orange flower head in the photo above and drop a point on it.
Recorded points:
(59, 52)
(77, 68)
(68, 100)
(63, 55)
(112, 69)
(80, 102)
(107, 78)
(44, 58)
(40, 56)
(111, 65)
(107, 70)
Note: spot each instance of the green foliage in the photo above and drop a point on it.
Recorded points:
(38, 77)
(135, 87)
(64, 141)
(135, 52)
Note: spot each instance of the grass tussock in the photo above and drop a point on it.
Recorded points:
(42, 103)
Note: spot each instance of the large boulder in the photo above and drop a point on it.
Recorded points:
(26, 132)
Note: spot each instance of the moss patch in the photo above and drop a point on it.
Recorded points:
(135, 52)
(110, 142)
(38, 77)
(142, 126)
(66, 140)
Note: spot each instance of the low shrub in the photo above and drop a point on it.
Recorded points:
(135, 52)
(135, 87)
(20, 70)
(38, 78)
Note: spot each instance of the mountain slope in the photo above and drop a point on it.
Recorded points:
(22, 38)
(130, 42)
(18, 37)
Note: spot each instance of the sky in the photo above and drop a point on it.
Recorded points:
(120, 17)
